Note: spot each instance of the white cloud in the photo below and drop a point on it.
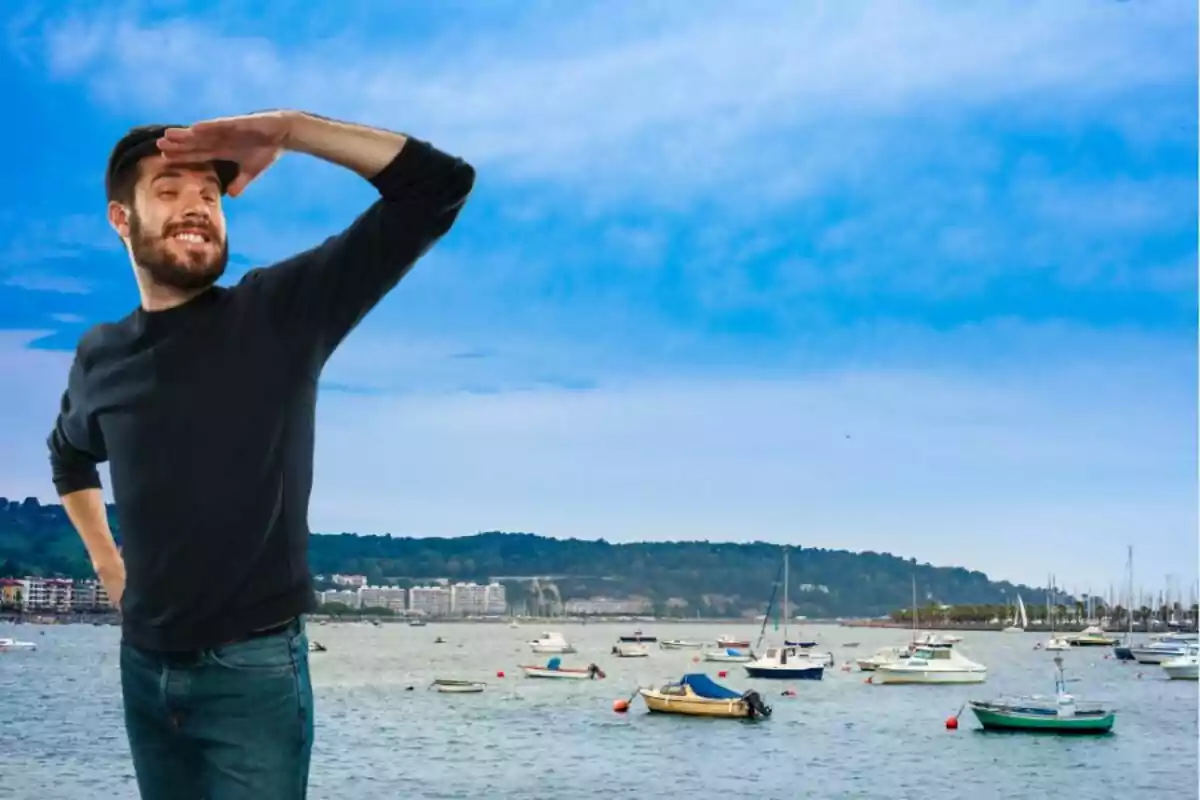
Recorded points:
(687, 96)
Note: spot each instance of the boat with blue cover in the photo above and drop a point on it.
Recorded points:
(697, 695)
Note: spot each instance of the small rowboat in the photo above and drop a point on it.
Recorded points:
(626, 650)
(554, 670)
(452, 686)
(15, 644)
(638, 636)
(697, 695)
(728, 656)
(680, 644)
(725, 641)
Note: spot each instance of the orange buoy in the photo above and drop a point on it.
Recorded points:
(951, 723)
(620, 706)
(499, 673)
(722, 674)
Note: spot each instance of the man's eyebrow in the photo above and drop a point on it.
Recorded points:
(177, 173)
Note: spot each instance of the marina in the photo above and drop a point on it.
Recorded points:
(374, 734)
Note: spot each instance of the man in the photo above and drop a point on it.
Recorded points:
(202, 400)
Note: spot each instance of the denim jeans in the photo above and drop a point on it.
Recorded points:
(223, 724)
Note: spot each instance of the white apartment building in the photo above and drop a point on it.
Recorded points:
(352, 581)
(47, 594)
(346, 597)
(389, 597)
(431, 601)
(468, 600)
(497, 599)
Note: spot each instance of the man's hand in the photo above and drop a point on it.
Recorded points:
(112, 576)
(253, 141)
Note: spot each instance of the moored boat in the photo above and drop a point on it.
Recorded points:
(680, 644)
(638, 636)
(729, 655)
(628, 650)
(316, 647)
(1059, 714)
(729, 641)
(1092, 636)
(1164, 648)
(551, 643)
(785, 663)
(883, 655)
(928, 665)
(15, 644)
(555, 670)
(454, 686)
(1185, 667)
(697, 695)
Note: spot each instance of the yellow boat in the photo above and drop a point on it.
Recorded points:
(697, 695)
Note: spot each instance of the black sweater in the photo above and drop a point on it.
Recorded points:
(205, 414)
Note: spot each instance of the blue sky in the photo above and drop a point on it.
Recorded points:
(914, 277)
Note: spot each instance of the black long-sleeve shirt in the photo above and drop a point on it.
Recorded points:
(205, 413)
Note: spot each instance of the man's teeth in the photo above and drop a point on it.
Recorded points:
(193, 238)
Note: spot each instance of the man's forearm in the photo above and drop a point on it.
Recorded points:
(87, 513)
(360, 148)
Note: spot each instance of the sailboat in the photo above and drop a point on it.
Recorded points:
(1124, 650)
(785, 663)
(1021, 621)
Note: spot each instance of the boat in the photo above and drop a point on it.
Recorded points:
(729, 655)
(638, 636)
(1165, 648)
(628, 650)
(551, 643)
(825, 659)
(316, 647)
(1123, 651)
(697, 695)
(680, 644)
(884, 655)
(555, 670)
(728, 641)
(15, 644)
(1092, 636)
(1020, 618)
(784, 663)
(1059, 714)
(453, 686)
(1185, 667)
(1057, 641)
(417, 623)
(929, 665)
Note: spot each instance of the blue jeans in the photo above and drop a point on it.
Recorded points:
(223, 724)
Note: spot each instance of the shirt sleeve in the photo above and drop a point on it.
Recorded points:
(76, 443)
(321, 294)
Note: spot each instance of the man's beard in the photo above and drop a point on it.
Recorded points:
(192, 272)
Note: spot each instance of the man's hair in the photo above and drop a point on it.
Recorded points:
(138, 143)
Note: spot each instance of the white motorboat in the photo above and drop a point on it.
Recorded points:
(884, 655)
(555, 670)
(630, 650)
(15, 644)
(931, 665)
(680, 644)
(1185, 667)
(453, 686)
(1163, 649)
(551, 643)
(1092, 636)
(729, 655)
(934, 640)
(1057, 642)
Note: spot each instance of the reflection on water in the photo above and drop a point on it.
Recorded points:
(61, 732)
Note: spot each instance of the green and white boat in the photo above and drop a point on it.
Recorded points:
(1059, 714)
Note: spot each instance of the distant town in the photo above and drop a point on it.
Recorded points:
(350, 594)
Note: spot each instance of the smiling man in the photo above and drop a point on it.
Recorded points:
(203, 400)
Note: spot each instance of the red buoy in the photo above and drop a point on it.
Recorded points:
(499, 673)
(620, 706)
(722, 674)
(951, 723)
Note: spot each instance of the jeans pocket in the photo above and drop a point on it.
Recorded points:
(269, 655)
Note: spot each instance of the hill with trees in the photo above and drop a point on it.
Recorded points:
(686, 578)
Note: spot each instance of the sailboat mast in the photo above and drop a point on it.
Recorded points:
(914, 587)
(786, 611)
(1129, 611)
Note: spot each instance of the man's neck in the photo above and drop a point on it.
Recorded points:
(157, 297)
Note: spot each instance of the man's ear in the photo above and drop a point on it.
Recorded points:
(118, 218)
